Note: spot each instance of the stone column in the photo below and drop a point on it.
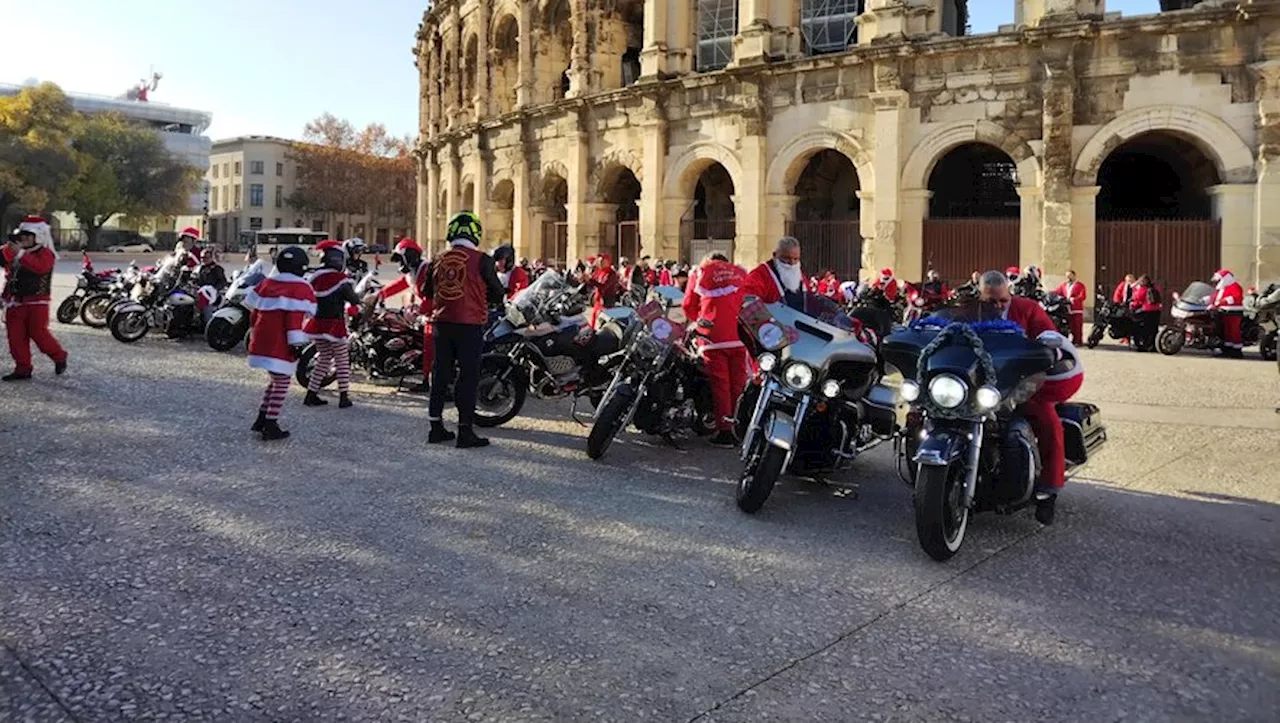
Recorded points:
(1235, 206)
(579, 53)
(654, 237)
(1084, 238)
(427, 218)
(480, 165)
(752, 242)
(522, 233)
(579, 167)
(1057, 157)
(481, 99)
(895, 221)
(452, 179)
(653, 57)
(1267, 200)
(682, 26)
(907, 256)
(780, 211)
(866, 220)
(755, 33)
(1030, 247)
(524, 87)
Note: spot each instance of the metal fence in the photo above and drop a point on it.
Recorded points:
(700, 237)
(1174, 253)
(956, 247)
(835, 245)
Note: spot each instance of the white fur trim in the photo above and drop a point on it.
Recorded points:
(714, 293)
(297, 337)
(272, 364)
(279, 303)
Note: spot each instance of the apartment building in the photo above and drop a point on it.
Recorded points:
(251, 179)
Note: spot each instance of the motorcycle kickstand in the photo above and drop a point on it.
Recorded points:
(573, 412)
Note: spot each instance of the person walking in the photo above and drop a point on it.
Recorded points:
(463, 281)
(1146, 305)
(29, 259)
(280, 303)
(334, 289)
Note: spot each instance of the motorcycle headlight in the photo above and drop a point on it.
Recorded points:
(947, 391)
(798, 376)
(831, 389)
(987, 397)
(909, 390)
(768, 362)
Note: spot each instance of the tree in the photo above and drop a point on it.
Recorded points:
(124, 169)
(36, 158)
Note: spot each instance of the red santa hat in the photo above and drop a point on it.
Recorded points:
(1013, 272)
(38, 227)
(886, 274)
(191, 231)
(1224, 277)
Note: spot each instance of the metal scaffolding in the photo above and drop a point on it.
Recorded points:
(717, 24)
(829, 26)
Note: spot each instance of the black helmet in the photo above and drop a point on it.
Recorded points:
(291, 260)
(506, 256)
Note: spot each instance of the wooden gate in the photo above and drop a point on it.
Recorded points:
(829, 245)
(555, 243)
(620, 239)
(1173, 252)
(956, 247)
(700, 237)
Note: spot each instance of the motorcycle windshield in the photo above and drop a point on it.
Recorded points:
(249, 277)
(1197, 294)
(826, 310)
(548, 283)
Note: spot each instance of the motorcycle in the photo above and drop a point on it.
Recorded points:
(1110, 317)
(88, 283)
(818, 403)
(167, 301)
(544, 344)
(965, 446)
(230, 323)
(875, 310)
(1264, 307)
(659, 385)
(920, 304)
(1059, 310)
(385, 343)
(95, 306)
(1197, 325)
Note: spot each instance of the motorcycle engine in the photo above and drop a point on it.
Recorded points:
(1019, 464)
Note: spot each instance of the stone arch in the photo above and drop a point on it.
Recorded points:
(502, 13)
(683, 173)
(927, 153)
(609, 167)
(789, 162)
(1218, 140)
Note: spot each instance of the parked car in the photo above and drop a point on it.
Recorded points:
(133, 248)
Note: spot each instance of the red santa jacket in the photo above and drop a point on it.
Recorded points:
(716, 298)
(606, 287)
(416, 281)
(1144, 299)
(890, 289)
(1075, 293)
(280, 304)
(1029, 315)
(764, 284)
(1123, 293)
(333, 290)
(1228, 297)
(28, 276)
(517, 281)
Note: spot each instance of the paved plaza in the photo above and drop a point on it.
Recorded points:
(159, 563)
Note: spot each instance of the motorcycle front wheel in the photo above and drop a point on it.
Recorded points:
(307, 364)
(501, 393)
(759, 475)
(941, 520)
(222, 335)
(93, 311)
(1095, 336)
(1267, 347)
(68, 309)
(1170, 340)
(129, 326)
(608, 422)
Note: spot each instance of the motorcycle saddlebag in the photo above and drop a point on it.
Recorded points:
(885, 409)
(1082, 431)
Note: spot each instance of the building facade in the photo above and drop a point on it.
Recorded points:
(251, 179)
(875, 131)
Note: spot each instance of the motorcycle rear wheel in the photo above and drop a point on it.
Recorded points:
(307, 364)
(93, 310)
(1267, 347)
(1095, 336)
(222, 335)
(608, 422)
(495, 393)
(759, 476)
(940, 527)
(1170, 340)
(68, 310)
(129, 326)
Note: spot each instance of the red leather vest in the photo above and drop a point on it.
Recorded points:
(461, 296)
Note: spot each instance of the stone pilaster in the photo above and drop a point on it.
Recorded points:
(1267, 199)
(1037, 12)
(1235, 207)
(755, 33)
(885, 245)
(525, 86)
(753, 148)
(780, 211)
(654, 238)
(653, 57)
(1084, 237)
(889, 19)
(579, 52)
(431, 189)
(1057, 158)
(480, 99)
(579, 167)
(1030, 243)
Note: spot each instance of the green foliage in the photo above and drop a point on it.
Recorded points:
(36, 158)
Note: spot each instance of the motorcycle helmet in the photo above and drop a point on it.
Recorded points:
(207, 256)
(408, 254)
(291, 260)
(505, 257)
(354, 247)
(464, 225)
(332, 255)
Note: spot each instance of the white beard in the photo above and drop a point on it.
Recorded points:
(790, 276)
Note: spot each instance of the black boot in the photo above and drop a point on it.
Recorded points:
(262, 420)
(724, 438)
(1046, 503)
(467, 439)
(344, 400)
(313, 400)
(15, 377)
(439, 434)
(271, 430)
(60, 367)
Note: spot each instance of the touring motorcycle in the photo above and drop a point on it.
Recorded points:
(1264, 307)
(920, 304)
(88, 283)
(875, 310)
(1110, 317)
(544, 344)
(1196, 325)
(965, 447)
(818, 403)
(230, 323)
(659, 385)
(167, 301)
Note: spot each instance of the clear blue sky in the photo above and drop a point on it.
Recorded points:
(264, 66)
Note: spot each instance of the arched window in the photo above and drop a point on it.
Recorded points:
(829, 26)
(717, 25)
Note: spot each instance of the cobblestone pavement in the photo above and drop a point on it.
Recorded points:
(158, 563)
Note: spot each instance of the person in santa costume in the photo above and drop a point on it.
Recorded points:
(513, 276)
(29, 259)
(186, 248)
(1228, 300)
(780, 278)
(334, 289)
(415, 273)
(1075, 293)
(713, 303)
(280, 303)
(887, 284)
(605, 286)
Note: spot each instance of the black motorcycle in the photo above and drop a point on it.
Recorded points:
(659, 385)
(876, 311)
(96, 307)
(88, 283)
(967, 448)
(1110, 317)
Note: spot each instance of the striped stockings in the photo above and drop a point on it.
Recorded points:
(328, 355)
(273, 398)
